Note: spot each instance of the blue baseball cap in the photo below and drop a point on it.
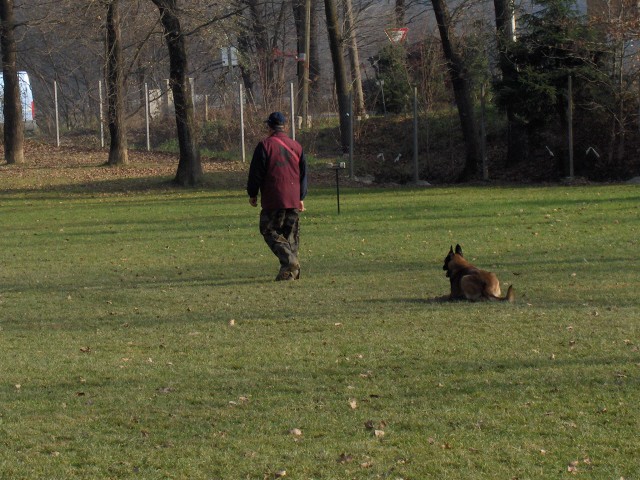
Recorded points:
(276, 120)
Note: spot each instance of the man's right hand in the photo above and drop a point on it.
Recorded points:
(253, 201)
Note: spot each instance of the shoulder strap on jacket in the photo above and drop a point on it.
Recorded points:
(287, 148)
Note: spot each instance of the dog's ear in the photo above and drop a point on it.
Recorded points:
(451, 249)
(458, 249)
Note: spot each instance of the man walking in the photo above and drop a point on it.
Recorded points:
(279, 172)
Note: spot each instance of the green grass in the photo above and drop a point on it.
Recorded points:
(118, 357)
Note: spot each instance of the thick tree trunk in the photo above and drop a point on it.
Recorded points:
(314, 52)
(354, 58)
(118, 154)
(189, 166)
(263, 50)
(517, 142)
(299, 12)
(13, 123)
(400, 11)
(462, 90)
(339, 70)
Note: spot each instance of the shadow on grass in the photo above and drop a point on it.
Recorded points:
(130, 185)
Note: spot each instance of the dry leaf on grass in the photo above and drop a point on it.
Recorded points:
(345, 458)
(573, 467)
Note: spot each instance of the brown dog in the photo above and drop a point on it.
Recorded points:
(471, 283)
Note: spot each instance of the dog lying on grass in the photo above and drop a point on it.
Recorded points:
(471, 283)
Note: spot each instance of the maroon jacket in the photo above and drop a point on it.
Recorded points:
(279, 172)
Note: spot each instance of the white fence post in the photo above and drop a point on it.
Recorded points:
(55, 100)
(146, 114)
(241, 97)
(101, 114)
(292, 113)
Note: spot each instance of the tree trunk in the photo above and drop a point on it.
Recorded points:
(339, 70)
(299, 12)
(462, 90)
(118, 154)
(354, 57)
(517, 141)
(400, 11)
(189, 166)
(314, 54)
(244, 46)
(13, 123)
(263, 50)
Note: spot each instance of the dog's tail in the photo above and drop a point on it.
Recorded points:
(510, 296)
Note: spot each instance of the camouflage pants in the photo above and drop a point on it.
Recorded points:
(280, 229)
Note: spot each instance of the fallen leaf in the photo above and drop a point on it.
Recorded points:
(18, 386)
(378, 433)
(296, 432)
(232, 322)
(281, 473)
(85, 349)
(573, 467)
(345, 458)
(353, 403)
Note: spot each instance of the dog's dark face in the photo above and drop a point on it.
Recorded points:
(450, 256)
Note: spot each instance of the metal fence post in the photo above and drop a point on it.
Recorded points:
(241, 97)
(101, 114)
(146, 114)
(55, 100)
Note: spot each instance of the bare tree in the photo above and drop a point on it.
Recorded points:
(354, 58)
(400, 11)
(118, 154)
(189, 165)
(461, 82)
(13, 125)
(339, 70)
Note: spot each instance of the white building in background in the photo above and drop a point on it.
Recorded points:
(26, 98)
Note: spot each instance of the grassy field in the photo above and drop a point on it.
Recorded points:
(142, 335)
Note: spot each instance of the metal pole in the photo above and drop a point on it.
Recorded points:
(241, 96)
(416, 173)
(292, 113)
(55, 100)
(570, 127)
(101, 114)
(206, 108)
(351, 134)
(146, 114)
(307, 58)
(384, 104)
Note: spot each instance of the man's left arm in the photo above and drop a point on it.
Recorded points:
(303, 177)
